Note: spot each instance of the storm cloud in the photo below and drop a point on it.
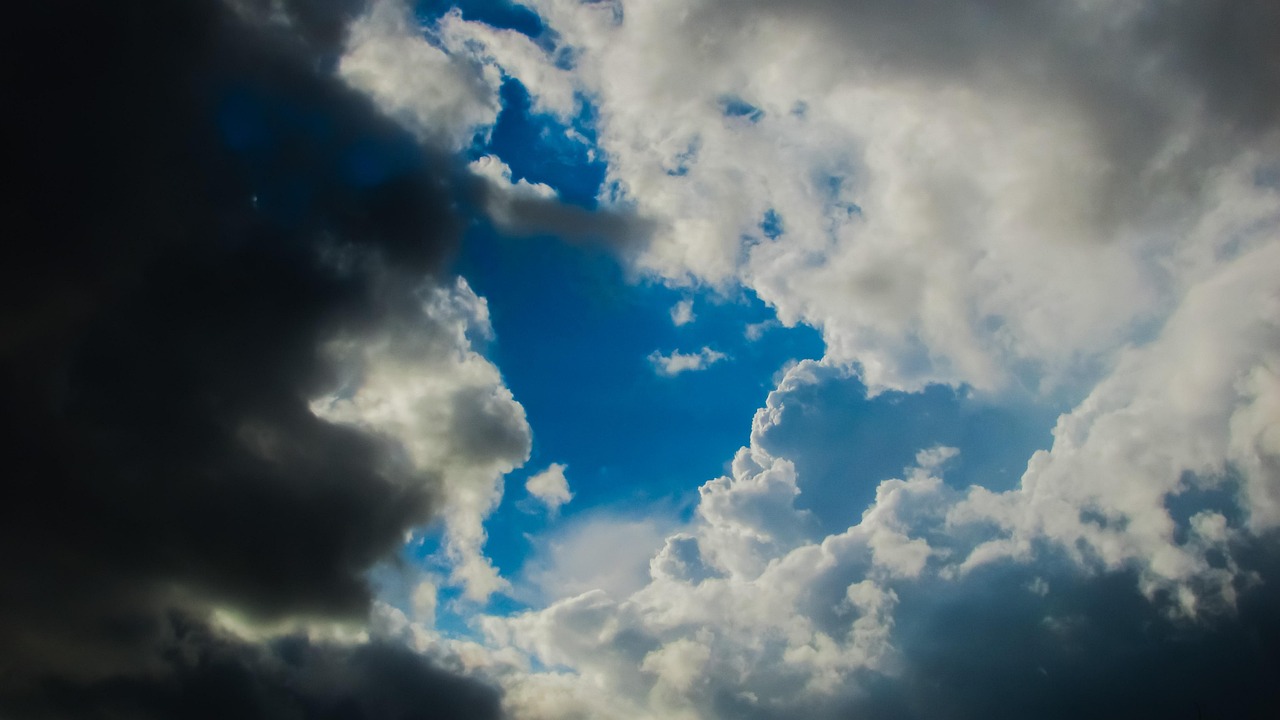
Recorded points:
(202, 219)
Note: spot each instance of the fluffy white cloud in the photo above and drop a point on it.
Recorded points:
(951, 195)
(1181, 414)
(423, 382)
(677, 362)
(445, 98)
(550, 487)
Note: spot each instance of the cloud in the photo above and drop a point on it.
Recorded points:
(597, 551)
(1067, 199)
(421, 382)
(682, 313)
(755, 331)
(211, 676)
(1181, 415)
(677, 362)
(241, 374)
(750, 611)
(442, 97)
(425, 600)
(949, 193)
(550, 487)
(233, 238)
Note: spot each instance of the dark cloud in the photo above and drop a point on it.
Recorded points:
(994, 647)
(196, 209)
(211, 677)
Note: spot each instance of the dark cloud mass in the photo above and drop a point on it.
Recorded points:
(196, 208)
(1090, 647)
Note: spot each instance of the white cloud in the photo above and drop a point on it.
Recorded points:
(423, 383)
(597, 551)
(550, 487)
(682, 312)
(961, 198)
(445, 98)
(1174, 416)
(554, 90)
(678, 362)
(755, 331)
(749, 601)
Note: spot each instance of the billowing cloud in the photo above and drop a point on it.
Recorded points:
(677, 362)
(950, 192)
(1070, 202)
(751, 611)
(443, 98)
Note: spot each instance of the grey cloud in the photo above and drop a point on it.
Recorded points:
(200, 210)
(523, 213)
(213, 677)
(1137, 73)
(1091, 647)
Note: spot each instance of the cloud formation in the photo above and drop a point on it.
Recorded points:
(749, 611)
(676, 362)
(950, 192)
(550, 487)
(1071, 202)
(234, 237)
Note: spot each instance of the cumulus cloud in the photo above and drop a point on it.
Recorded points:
(750, 611)
(950, 193)
(550, 487)
(677, 362)
(421, 382)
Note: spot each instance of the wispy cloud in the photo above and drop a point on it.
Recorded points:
(682, 312)
(677, 362)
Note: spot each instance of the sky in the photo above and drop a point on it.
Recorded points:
(680, 359)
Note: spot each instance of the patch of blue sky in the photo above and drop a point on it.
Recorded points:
(772, 225)
(539, 148)
(735, 107)
(843, 443)
(685, 159)
(502, 14)
(573, 340)
(573, 337)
